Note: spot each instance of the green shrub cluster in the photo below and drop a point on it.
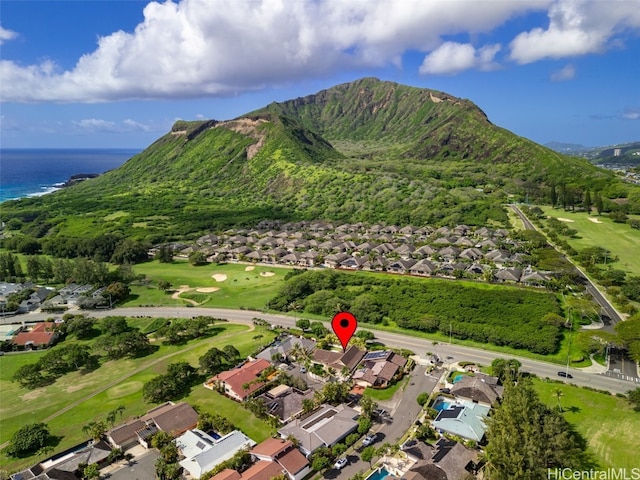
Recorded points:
(510, 316)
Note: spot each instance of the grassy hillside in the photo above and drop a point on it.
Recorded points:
(365, 151)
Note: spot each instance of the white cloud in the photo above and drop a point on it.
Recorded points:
(95, 125)
(197, 48)
(631, 114)
(452, 58)
(565, 73)
(577, 28)
(6, 35)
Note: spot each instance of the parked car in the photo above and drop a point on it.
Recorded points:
(380, 412)
(565, 375)
(369, 439)
(341, 463)
(445, 390)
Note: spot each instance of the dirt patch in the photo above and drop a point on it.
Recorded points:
(594, 220)
(32, 395)
(267, 274)
(219, 277)
(207, 289)
(566, 220)
(248, 269)
(75, 387)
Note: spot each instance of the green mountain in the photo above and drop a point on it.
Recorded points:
(368, 150)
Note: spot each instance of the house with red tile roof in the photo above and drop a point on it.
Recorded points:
(41, 335)
(234, 381)
(283, 452)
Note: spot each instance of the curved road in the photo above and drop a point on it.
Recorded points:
(418, 345)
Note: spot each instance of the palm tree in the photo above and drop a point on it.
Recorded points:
(95, 429)
(295, 306)
(558, 393)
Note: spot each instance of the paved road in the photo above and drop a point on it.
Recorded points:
(417, 345)
(611, 315)
(403, 410)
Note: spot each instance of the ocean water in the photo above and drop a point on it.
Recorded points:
(33, 172)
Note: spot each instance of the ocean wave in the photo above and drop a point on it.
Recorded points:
(46, 190)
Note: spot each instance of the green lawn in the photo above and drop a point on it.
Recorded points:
(608, 423)
(386, 393)
(241, 289)
(622, 240)
(19, 406)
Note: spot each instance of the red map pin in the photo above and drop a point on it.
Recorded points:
(344, 325)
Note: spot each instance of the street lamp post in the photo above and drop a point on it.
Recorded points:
(569, 348)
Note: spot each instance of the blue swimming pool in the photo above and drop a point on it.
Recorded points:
(457, 378)
(379, 474)
(441, 404)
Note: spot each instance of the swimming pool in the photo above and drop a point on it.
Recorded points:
(379, 474)
(441, 404)
(457, 378)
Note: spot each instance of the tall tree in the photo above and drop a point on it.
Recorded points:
(598, 202)
(554, 195)
(526, 438)
(587, 201)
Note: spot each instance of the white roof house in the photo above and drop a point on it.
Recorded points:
(209, 456)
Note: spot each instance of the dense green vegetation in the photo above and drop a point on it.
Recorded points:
(388, 152)
(526, 438)
(516, 317)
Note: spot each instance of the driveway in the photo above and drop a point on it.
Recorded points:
(404, 411)
(141, 468)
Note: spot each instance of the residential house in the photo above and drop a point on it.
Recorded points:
(211, 454)
(446, 460)
(509, 274)
(480, 388)
(348, 360)
(423, 268)
(353, 263)
(424, 252)
(239, 383)
(376, 264)
(472, 254)
(334, 260)
(531, 277)
(285, 402)
(280, 348)
(464, 419)
(170, 417)
(464, 242)
(401, 266)
(284, 453)
(325, 426)
(42, 335)
(64, 465)
(378, 368)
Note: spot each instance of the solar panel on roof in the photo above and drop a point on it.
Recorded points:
(376, 355)
(328, 414)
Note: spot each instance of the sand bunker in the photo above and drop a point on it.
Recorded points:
(207, 289)
(594, 220)
(566, 220)
(267, 274)
(219, 277)
(248, 269)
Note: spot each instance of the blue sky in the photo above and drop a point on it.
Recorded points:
(119, 73)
